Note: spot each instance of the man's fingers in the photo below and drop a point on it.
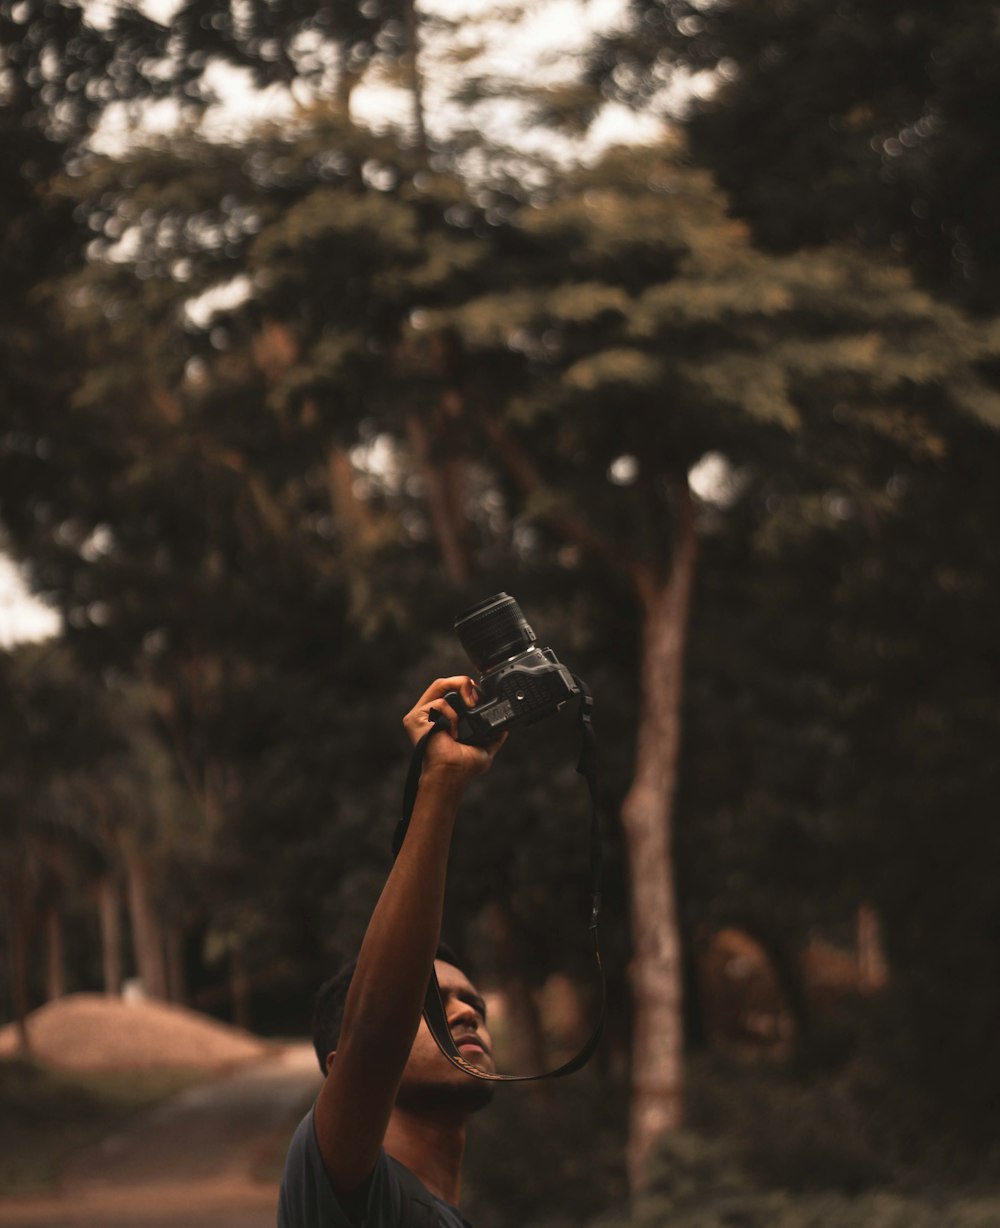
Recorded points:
(461, 683)
(491, 748)
(415, 721)
(446, 710)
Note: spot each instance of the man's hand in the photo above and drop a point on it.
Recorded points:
(445, 752)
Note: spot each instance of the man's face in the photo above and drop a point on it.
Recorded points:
(430, 1081)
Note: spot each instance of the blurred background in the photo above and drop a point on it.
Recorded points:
(677, 321)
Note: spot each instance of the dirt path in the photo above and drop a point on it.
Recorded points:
(187, 1163)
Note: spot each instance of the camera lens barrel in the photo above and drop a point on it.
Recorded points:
(493, 631)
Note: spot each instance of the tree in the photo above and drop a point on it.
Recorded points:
(53, 727)
(837, 122)
(634, 294)
(288, 471)
(222, 513)
(640, 330)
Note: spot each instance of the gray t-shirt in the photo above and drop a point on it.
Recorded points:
(308, 1201)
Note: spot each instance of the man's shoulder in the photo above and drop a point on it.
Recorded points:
(394, 1197)
(307, 1199)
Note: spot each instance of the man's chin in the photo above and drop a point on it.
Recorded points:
(456, 1093)
(478, 1057)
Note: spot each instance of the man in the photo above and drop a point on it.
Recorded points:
(390, 1098)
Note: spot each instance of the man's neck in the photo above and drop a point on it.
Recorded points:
(431, 1147)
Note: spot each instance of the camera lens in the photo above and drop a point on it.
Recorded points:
(493, 631)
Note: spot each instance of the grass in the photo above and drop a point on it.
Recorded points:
(45, 1115)
(768, 1145)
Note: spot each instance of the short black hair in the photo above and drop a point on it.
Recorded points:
(331, 997)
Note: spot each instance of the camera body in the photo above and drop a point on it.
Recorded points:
(519, 683)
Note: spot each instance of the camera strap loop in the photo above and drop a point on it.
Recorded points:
(587, 768)
(434, 1012)
(438, 722)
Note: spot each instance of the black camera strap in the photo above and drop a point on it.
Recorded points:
(434, 1012)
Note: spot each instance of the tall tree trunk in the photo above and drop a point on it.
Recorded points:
(656, 1104)
(354, 517)
(17, 918)
(239, 986)
(147, 936)
(444, 504)
(444, 480)
(873, 971)
(657, 1088)
(176, 980)
(109, 912)
(55, 955)
(413, 71)
(348, 76)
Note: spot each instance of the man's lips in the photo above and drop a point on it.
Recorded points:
(470, 1042)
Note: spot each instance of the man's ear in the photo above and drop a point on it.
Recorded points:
(329, 1059)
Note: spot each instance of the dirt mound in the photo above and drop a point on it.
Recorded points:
(93, 1032)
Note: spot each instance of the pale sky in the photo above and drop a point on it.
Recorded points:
(22, 617)
(537, 41)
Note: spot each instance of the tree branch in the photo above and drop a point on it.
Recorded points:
(570, 522)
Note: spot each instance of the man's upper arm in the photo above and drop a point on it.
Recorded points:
(353, 1109)
(308, 1199)
(384, 1000)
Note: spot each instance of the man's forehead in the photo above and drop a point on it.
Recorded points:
(451, 978)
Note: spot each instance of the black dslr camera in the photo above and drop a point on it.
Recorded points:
(519, 683)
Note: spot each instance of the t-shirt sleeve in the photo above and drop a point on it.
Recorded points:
(307, 1199)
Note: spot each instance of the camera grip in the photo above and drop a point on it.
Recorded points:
(470, 727)
(456, 702)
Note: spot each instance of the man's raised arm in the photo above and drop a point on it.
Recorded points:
(383, 1007)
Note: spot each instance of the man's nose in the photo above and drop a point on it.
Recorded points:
(460, 1012)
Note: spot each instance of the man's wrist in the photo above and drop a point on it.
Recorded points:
(445, 778)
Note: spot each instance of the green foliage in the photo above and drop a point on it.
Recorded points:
(639, 321)
(55, 726)
(837, 762)
(546, 1159)
(763, 1147)
(837, 122)
(232, 509)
